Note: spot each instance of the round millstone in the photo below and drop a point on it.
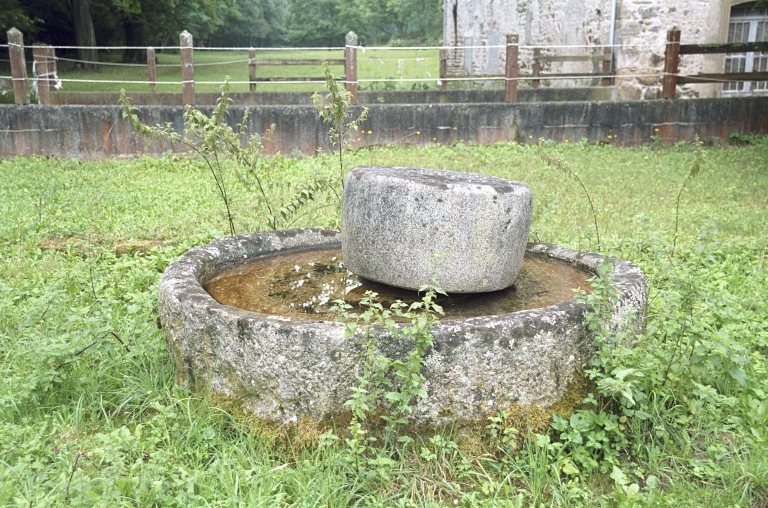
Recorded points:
(408, 227)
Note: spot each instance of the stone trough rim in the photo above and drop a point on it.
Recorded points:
(622, 276)
(284, 368)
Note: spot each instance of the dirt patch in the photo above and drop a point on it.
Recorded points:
(87, 248)
(133, 247)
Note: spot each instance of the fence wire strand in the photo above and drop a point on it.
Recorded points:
(114, 64)
(368, 48)
(370, 80)
(204, 64)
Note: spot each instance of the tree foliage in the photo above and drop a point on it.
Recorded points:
(325, 22)
(12, 15)
(152, 22)
(240, 23)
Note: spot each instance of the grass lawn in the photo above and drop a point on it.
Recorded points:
(678, 420)
(213, 66)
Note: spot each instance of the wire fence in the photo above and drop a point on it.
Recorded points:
(402, 80)
(361, 48)
(377, 64)
(387, 67)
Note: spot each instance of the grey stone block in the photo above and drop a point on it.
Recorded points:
(407, 227)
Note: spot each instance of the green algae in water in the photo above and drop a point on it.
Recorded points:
(305, 284)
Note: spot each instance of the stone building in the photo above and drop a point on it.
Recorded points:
(639, 39)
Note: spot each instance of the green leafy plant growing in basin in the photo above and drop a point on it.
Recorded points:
(216, 142)
(395, 383)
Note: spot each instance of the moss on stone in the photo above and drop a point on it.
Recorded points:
(473, 438)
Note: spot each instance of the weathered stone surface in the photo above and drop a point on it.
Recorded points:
(369, 97)
(285, 369)
(640, 29)
(100, 132)
(407, 227)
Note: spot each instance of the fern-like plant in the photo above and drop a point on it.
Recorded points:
(695, 168)
(337, 112)
(216, 142)
(562, 166)
(208, 137)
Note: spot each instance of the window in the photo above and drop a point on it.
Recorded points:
(748, 24)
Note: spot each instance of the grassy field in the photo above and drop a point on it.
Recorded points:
(680, 418)
(213, 66)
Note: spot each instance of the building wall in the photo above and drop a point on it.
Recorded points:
(641, 27)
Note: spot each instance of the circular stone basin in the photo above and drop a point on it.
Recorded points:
(283, 362)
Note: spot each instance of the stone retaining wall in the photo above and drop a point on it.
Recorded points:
(365, 97)
(99, 132)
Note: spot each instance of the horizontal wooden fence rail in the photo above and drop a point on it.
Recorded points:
(605, 57)
(723, 77)
(672, 62)
(731, 47)
(512, 76)
(308, 79)
(254, 63)
(330, 61)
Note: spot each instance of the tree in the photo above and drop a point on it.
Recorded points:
(416, 19)
(276, 16)
(159, 22)
(325, 22)
(252, 23)
(85, 36)
(315, 23)
(141, 23)
(12, 15)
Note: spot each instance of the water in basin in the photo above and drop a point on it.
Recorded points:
(304, 284)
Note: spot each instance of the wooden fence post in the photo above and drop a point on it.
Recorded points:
(350, 66)
(443, 68)
(671, 63)
(152, 68)
(52, 76)
(511, 74)
(536, 71)
(187, 68)
(40, 68)
(607, 67)
(18, 66)
(252, 68)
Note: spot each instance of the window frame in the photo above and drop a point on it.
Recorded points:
(757, 20)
